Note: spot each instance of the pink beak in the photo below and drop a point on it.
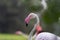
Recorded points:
(27, 20)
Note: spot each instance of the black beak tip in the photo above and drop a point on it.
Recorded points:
(26, 24)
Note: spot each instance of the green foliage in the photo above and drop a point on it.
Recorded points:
(52, 14)
(34, 8)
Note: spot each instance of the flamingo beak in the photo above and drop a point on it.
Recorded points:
(26, 24)
(27, 21)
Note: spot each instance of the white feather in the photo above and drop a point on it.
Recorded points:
(47, 36)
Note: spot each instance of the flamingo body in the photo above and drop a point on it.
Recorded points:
(46, 36)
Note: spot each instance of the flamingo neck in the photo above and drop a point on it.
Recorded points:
(31, 33)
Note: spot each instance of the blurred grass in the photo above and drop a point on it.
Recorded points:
(12, 37)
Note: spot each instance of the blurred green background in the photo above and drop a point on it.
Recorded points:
(13, 13)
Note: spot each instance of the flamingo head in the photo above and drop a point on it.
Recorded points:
(29, 17)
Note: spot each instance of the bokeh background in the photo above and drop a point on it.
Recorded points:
(13, 13)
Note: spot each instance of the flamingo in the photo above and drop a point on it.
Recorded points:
(42, 35)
